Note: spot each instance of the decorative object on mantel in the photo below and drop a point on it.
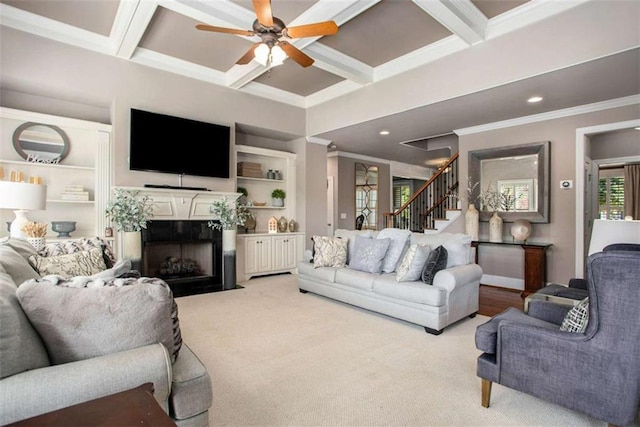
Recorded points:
(495, 228)
(277, 197)
(21, 197)
(228, 219)
(130, 214)
(272, 225)
(282, 225)
(41, 143)
(259, 204)
(521, 229)
(292, 226)
(36, 234)
(63, 228)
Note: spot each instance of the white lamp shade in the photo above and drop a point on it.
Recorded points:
(606, 232)
(23, 196)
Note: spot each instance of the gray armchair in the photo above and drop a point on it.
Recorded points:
(596, 372)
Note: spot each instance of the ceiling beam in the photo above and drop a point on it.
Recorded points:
(131, 22)
(461, 17)
(338, 63)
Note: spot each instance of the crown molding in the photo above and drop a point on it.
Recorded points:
(551, 115)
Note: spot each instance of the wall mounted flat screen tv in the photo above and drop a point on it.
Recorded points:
(167, 144)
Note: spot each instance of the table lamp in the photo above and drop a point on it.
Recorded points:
(608, 231)
(22, 197)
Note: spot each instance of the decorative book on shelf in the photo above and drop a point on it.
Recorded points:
(249, 169)
(74, 192)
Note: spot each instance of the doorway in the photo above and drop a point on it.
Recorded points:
(586, 184)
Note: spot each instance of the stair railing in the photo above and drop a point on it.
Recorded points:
(430, 202)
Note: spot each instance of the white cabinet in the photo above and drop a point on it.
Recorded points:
(260, 254)
(87, 165)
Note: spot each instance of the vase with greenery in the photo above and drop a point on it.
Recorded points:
(277, 197)
(130, 214)
(228, 219)
(128, 211)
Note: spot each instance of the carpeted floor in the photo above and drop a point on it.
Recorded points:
(281, 358)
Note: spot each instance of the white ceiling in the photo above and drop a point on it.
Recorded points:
(376, 40)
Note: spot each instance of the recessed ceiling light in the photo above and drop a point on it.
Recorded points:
(534, 99)
(384, 132)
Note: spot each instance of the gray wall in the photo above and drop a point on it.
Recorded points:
(560, 231)
(611, 145)
(44, 76)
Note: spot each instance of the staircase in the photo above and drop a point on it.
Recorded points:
(433, 206)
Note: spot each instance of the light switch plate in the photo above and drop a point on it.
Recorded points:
(343, 216)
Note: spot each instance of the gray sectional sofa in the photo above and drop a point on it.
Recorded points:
(452, 296)
(32, 383)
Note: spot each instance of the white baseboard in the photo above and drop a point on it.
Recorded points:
(505, 282)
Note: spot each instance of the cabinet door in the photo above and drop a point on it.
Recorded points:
(257, 254)
(284, 252)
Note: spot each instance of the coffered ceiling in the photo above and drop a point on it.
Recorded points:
(377, 40)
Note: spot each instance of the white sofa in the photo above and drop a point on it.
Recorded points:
(452, 296)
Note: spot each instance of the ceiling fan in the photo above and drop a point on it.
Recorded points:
(271, 50)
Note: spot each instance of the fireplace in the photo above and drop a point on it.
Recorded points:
(187, 254)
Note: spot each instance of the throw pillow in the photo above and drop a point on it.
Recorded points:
(399, 242)
(16, 265)
(84, 263)
(329, 252)
(369, 254)
(84, 244)
(21, 349)
(100, 318)
(437, 261)
(22, 246)
(577, 318)
(351, 236)
(412, 263)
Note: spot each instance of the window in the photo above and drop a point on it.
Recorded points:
(611, 193)
(401, 194)
(367, 195)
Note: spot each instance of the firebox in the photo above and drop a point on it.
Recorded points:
(187, 254)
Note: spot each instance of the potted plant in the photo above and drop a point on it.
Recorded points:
(128, 211)
(228, 220)
(242, 199)
(277, 197)
(130, 214)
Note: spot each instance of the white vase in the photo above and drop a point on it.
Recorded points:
(278, 202)
(132, 248)
(472, 222)
(495, 228)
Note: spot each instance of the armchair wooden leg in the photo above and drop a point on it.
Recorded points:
(486, 393)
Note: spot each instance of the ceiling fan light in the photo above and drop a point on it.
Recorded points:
(261, 54)
(277, 56)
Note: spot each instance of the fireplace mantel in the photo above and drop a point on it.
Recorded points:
(177, 204)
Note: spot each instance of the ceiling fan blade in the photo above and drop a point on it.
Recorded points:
(263, 12)
(205, 27)
(296, 54)
(247, 57)
(325, 28)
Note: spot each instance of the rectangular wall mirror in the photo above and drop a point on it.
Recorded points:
(521, 172)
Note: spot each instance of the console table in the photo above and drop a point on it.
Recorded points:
(535, 263)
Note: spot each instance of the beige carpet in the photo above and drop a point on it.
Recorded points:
(281, 358)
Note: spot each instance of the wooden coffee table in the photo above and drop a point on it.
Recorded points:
(134, 407)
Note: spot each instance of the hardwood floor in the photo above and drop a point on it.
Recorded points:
(494, 299)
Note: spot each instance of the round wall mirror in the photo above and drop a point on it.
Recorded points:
(40, 143)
